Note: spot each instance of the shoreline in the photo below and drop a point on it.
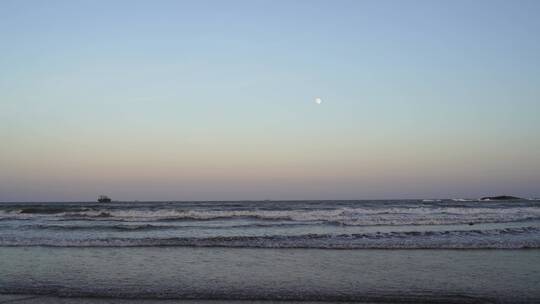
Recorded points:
(48, 299)
(279, 248)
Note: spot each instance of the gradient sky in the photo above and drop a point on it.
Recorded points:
(214, 100)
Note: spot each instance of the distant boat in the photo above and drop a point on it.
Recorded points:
(104, 199)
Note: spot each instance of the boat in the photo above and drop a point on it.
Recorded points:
(104, 199)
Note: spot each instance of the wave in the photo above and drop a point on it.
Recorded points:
(148, 227)
(144, 227)
(508, 238)
(340, 216)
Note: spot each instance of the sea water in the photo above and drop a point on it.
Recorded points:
(395, 251)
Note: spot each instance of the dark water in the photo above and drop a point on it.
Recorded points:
(300, 224)
(391, 251)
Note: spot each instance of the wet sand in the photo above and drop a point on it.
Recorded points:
(102, 275)
(32, 299)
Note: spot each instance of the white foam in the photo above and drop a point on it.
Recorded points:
(526, 237)
(344, 216)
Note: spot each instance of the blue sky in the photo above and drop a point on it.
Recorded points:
(215, 99)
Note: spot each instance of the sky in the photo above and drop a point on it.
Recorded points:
(215, 100)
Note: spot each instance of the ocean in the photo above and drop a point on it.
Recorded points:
(395, 251)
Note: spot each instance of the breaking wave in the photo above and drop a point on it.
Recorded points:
(508, 238)
(146, 227)
(340, 216)
(301, 224)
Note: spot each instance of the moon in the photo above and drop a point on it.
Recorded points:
(318, 100)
